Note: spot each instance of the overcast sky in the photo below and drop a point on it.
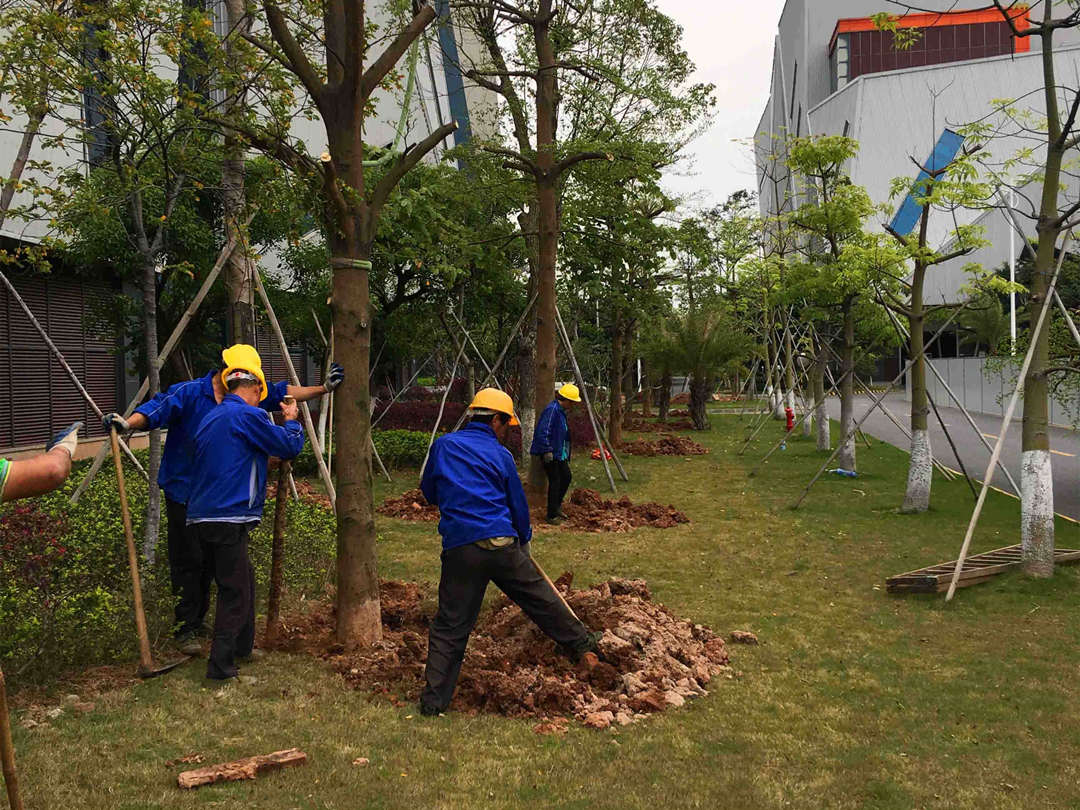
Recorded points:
(731, 43)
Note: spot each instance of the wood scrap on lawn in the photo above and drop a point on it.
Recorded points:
(979, 568)
(241, 769)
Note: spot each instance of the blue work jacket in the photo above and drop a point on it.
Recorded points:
(474, 482)
(182, 409)
(552, 434)
(232, 446)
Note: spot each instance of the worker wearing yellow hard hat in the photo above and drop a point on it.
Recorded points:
(552, 443)
(485, 527)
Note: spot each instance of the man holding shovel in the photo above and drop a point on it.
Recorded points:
(485, 530)
(232, 448)
(182, 409)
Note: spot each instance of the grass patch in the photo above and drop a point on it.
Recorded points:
(854, 699)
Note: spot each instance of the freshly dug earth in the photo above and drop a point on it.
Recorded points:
(664, 446)
(652, 659)
(409, 505)
(304, 489)
(585, 511)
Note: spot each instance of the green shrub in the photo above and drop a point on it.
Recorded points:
(401, 448)
(65, 589)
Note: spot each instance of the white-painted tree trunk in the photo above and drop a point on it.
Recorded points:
(920, 470)
(824, 439)
(808, 422)
(1037, 513)
(778, 404)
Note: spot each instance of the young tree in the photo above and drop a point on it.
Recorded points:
(940, 188)
(326, 51)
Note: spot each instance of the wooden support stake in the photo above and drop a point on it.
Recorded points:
(1006, 422)
(277, 553)
(7, 751)
(241, 769)
(305, 411)
(442, 409)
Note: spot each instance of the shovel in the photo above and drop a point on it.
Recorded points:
(146, 659)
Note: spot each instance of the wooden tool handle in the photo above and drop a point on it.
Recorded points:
(146, 660)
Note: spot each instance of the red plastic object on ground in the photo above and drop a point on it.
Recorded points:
(790, 414)
(596, 454)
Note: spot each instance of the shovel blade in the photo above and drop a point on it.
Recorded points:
(152, 672)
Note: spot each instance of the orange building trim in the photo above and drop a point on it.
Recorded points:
(1020, 14)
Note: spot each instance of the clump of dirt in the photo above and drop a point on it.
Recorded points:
(644, 426)
(651, 659)
(304, 489)
(587, 511)
(410, 505)
(664, 446)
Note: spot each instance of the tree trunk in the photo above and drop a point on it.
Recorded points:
(920, 471)
(526, 358)
(699, 398)
(277, 553)
(22, 155)
(547, 109)
(646, 399)
(629, 391)
(846, 458)
(615, 412)
(789, 372)
(153, 374)
(663, 397)
(1036, 475)
(358, 614)
(821, 412)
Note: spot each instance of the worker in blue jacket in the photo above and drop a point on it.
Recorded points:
(485, 530)
(232, 447)
(181, 409)
(551, 441)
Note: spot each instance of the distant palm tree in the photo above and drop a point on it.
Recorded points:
(985, 323)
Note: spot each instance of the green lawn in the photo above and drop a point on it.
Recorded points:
(854, 699)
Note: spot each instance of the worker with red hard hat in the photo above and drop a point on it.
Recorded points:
(486, 529)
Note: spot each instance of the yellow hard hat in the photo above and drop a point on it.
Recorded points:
(244, 358)
(492, 399)
(570, 392)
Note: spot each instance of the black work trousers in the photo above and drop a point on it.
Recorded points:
(188, 569)
(466, 571)
(559, 477)
(226, 548)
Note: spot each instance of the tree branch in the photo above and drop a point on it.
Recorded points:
(298, 61)
(374, 75)
(403, 165)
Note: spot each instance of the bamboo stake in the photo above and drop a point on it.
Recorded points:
(949, 439)
(64, 365)
(305, 411)
(404, 388)
(763, 422)
(1005, 424)
(7, 751)
(874, 407)
(472, 343)
(163, 355)
(442, 408)
(585, 395)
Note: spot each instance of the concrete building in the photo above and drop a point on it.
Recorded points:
(834, 73)
(35, 395)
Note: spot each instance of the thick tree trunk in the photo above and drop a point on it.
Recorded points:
(663, 398)
(526, 357)
(615, 407)
(846, 457)
(821, 413)
(919, 480)
(277, 553)
(700, 386)
(150, 346)
(358, 614)
(646, 399)
(629, 391)
(789, 372)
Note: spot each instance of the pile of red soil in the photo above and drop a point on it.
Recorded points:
(653, 659)
(410, 505)
(585, 511)
(643, 426)
(681, 399)
(304, 489)
(664, 446)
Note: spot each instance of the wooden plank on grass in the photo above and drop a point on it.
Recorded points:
(241, 769)
(979, 568)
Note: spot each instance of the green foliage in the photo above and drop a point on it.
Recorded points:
(401, 448)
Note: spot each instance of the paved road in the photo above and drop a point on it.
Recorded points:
(1065, 445)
